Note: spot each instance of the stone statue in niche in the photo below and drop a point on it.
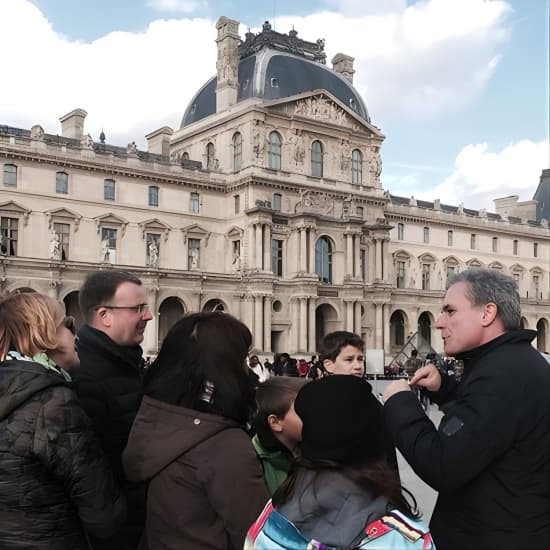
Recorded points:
(56, 251)
(153, 253)
(105, 251)
(345, 155)
(193, 258)
(258, 142)
(375, 165)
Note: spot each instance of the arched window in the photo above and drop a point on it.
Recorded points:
(276, 202)
(323, 260)
(317, 159)
(397, 329)
(356, 167)
(62, 182)
(210, 155)
(274, 151)
(425, 327)
(185, 156)
(237, 151)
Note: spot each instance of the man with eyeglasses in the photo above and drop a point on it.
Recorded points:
(109, 379)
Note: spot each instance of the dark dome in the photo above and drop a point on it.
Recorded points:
(271, 74)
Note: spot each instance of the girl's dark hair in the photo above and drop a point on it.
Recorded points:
(201, 365)
(375, 476)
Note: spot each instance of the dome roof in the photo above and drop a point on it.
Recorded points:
(268, 72)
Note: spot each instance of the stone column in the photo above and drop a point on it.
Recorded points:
(357, 256)
(259, 246)
(303, 249)
(372, 260)
(294, 328)
(258, 324)
(267, 324)
(378, 326)
(312, 250)
(378, 259)
(386, 327)
(349, 255)
(151, 340)
(349, 315)
(252, 246)
(311, 326)
(386, 261)
(357, 311)
(303, 324)
(249, 312)
(267, 247)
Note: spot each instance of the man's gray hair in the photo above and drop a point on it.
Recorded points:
(489, 285)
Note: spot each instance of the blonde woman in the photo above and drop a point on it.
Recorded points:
(55, 482)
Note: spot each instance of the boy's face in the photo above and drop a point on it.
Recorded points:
(350, 360)
(287, 429)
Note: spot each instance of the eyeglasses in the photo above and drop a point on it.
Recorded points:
(140, 308)
(69, 323)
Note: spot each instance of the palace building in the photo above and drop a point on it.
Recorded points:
(268, 203)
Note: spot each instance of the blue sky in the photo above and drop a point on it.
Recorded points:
(459, 87)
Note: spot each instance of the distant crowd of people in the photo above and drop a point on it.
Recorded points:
(205, 447)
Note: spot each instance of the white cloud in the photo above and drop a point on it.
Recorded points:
(482, 175)
(411, 61)
(177, 6)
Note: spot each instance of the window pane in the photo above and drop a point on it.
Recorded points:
(63, 231)
(277, 257)
(237, 204)
(495, 244)
(356, 167)
(61, 182)
(317, 159)
(8, 237)
(323, 260)
(276, 202)
(108, 244)
(237, 151)
(400, 231)
(10, 175)
(109, 190)
(449, 238)
(473, 241)
(194, 203)
(210, 156)
(193, 253)
(274, 151)
(153, 195)
(426, 235)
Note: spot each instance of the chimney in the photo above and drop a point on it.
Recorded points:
(227, 65)
(158, 142)
(343, 64)
(72, 124)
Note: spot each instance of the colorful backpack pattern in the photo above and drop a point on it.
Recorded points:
(394, 531)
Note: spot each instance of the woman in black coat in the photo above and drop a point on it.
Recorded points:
(55, 482)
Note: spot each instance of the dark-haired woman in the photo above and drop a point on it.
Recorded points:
(343, 493)
(56, 485)
(189, 440)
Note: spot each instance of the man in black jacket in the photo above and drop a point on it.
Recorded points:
(108, 381)
(490, 457)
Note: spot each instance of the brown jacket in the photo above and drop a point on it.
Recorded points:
(205, 482)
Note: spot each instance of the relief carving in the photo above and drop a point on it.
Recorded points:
(317, 203)
(321, 108)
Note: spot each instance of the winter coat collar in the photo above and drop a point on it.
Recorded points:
(176, 431)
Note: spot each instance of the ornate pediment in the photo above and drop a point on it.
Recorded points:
(315, 203)
(195, 231)
(234, 232)
(63, 215)
(154, 225)
(111, 219)
(15, 209)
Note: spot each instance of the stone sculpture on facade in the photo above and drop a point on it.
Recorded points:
(105, 251)
(37, 132)
(193, 258)
(87, 142)
(56, 250)
(153, 253)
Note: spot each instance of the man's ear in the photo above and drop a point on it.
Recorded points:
(328, 364)
(102, 318)
(274, 423)
(490, 311)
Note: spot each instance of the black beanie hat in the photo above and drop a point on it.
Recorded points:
(342, 420)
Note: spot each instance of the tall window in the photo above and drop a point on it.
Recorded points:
(10, 175)
(363, 264)
(425, 276)
(194, 202)
(62, 182)
(450, 270)
(495, 244)
(8, 236)
(356, 167)
(473, 241)
(535, 250)
(536, 285)
(317, 159)
(63, 231)
(515, 246)
(210, 156)
(323, 259)
(400, 272)
(450, 237)
(400, 231)
(359, 212)
(237, 151)
(237, 199)
(426, 235)
(276, 203)
(277, 257)
(153, 195)
(108, 245)
(193, 253)
(274, 151)
(109, 190)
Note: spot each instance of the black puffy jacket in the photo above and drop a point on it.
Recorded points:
(109, 387)
(490, 458)
(55, 481)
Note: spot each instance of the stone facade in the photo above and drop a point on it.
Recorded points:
(283, 223)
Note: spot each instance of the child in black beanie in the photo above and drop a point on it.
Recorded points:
(343, 494)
